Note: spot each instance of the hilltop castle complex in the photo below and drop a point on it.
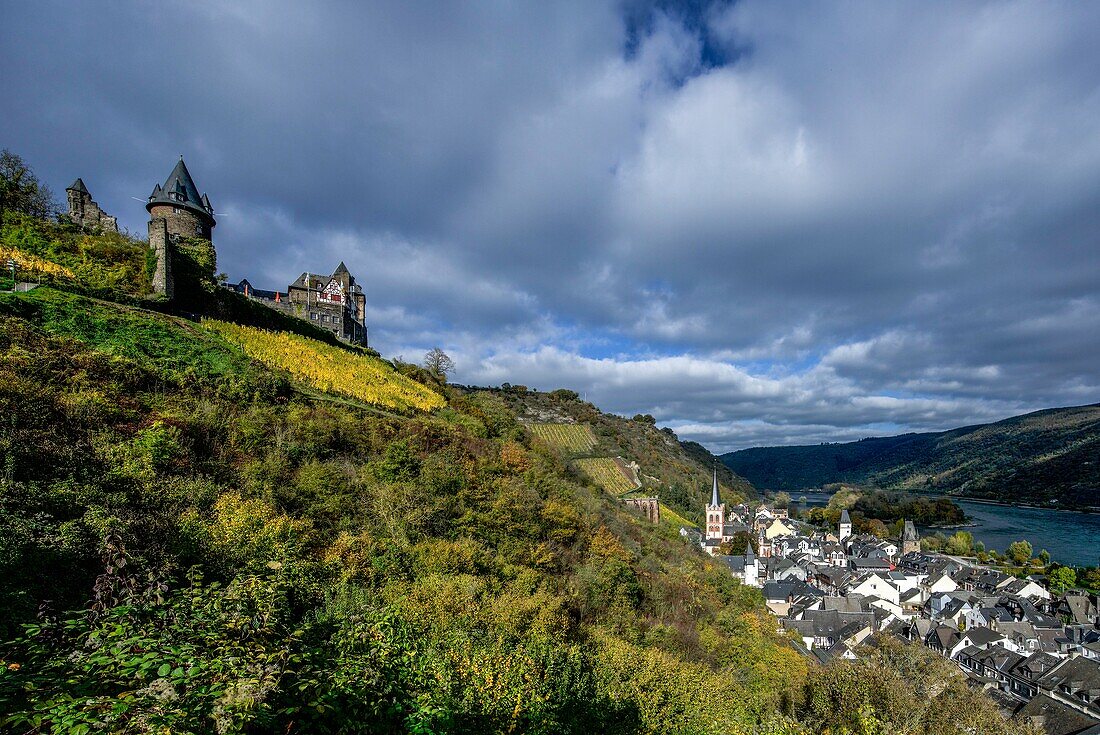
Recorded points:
(179, 215)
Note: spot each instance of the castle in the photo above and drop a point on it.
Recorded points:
(334, 302)
(178, 215)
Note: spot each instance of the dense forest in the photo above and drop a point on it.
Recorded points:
(1046, 457)
(197, 535)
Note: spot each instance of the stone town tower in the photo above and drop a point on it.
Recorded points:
(845, 526)
(176, 210)
(910, 539)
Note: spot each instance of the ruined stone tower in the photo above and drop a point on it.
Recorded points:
(85, 212)
(176, 211)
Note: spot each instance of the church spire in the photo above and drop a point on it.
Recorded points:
(714, 499)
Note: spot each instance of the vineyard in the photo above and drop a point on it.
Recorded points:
(568, 438)
(675, 519)
(27, 262)
(607, 474)
(330, 368)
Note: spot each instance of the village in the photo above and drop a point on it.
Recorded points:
(1036, 653)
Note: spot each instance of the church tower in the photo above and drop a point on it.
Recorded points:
(176, 210)
(716, 512)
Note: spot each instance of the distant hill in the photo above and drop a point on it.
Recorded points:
(1050, 455)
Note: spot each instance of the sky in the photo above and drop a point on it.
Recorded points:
(761, 222)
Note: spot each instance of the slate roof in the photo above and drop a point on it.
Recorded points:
(1034, 666)
(78, 185)
(944, 635)
(1054, 717)
(179, 190)
(982, 636)
(1076, 678)
(909, 532)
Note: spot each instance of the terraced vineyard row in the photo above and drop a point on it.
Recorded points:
(330, 368)
(606, 473)
(568, 438)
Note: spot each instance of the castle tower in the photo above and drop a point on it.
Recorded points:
(910, 539)
(85, 212)
(845, 526)
(176, 210)
(716, 512)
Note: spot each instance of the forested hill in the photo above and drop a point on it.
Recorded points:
(1051, 455)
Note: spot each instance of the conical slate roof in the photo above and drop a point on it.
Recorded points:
(844, 518)
(340, 269)
(714, 499)
(179, 190)
(78, 185)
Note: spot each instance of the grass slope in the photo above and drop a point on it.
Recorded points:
(1051, 455)
(170, 345)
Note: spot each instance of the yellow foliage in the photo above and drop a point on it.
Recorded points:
(569, 438)
(514, 457)
(249, 531)
(604, 544)
(607, 474)
(330, 368)
(672, 695)
(26, 261)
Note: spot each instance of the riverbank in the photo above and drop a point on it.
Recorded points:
(987, 501)
(1070, 537)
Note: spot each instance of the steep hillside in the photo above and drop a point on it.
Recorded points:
(653, 460)
(198, 535)
(1047, 456)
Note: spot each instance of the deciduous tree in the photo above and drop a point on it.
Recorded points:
(438, 363)
(20, 189)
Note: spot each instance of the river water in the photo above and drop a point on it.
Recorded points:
(1071, 538)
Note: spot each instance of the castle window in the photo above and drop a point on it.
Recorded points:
(313, 315)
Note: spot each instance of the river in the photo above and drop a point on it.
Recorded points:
(1071, 538)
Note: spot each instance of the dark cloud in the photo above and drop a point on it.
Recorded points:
(760, 222)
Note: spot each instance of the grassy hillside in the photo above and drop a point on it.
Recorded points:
(193, 541)
(1051, 455)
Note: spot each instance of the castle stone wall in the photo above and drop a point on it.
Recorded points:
(181, 221)
(650, 508)
(86, 213)
(160, 243)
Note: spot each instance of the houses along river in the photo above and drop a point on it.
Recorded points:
(1071, 538)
